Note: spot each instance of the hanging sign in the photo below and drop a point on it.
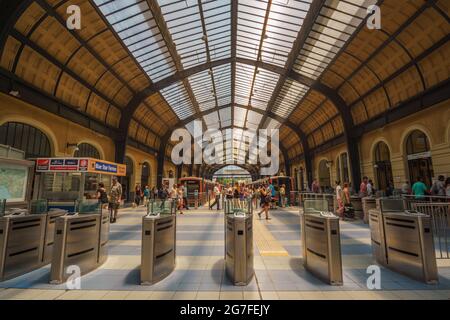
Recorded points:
(422, 155)
(80, 165)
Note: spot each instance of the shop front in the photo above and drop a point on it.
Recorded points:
(64, 181)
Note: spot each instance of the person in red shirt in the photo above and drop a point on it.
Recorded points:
(363, 187)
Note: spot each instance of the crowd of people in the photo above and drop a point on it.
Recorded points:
(419, 190)
(265, 194)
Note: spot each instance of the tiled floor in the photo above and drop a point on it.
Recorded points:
(200, 267)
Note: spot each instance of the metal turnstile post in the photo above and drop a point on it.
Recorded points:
(158, 247)
(410, 247)
(321, 247)
(77, 242)
(239, 248)
(21, 244)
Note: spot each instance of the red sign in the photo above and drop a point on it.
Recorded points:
(84, 163)
(42, 164)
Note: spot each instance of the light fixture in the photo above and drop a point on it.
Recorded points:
(329, 164)
(73, 145)
(14, 93)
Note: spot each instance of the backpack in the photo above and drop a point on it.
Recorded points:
(103, 197)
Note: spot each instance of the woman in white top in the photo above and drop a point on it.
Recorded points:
(340, 202)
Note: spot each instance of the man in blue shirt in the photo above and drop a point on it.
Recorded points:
(419, 188)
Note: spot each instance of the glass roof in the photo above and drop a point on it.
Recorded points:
(170, 36)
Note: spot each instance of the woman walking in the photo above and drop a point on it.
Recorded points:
(265, 202)
(180, 196)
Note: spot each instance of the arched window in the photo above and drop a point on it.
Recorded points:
(87, 150)
(145, 176)
(417, 142)
(382, 165)
(419, 157)
(324, 174)
(342, 172)
(21, 136)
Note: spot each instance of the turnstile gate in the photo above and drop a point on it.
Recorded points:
(158, 247)
(239, 248)
(81, 241)
(367, 204)
(403, 240)
(52, 215)
(409, 245)
(26, 242)
(321, 246)
(21, 244)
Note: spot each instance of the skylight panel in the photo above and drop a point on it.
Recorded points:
(263, 87)
(178, 98)
(239, 116)
(290, 95)
(283, 24)
(336, 22)
(136, 27)
(225, 117)
(203, 89)
(184, 22)
(243, 83)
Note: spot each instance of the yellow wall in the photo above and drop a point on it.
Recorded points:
(434, 122)
(61, 131)
(330, 155)
(139, 157)
(58, 130)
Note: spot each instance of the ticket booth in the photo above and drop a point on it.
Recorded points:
(63, 181)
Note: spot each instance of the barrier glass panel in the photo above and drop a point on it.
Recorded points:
(88, 206)
(38, 206)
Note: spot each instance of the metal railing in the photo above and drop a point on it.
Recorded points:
(440, 223)
(410, 200)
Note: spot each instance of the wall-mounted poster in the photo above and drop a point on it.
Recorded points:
(13, 182)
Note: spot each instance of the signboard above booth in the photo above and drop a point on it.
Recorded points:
(80, 165)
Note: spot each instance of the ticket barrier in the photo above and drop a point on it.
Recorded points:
(239, 248)
(26, 240)
(403, 240)
(321, 246)
(376, 223)
(367, 204)
(80, 240)
(158, 251)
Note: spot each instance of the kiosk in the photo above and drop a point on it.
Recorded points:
(63, 181)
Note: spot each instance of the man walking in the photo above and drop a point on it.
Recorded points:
(115, 194)
(216, 195)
